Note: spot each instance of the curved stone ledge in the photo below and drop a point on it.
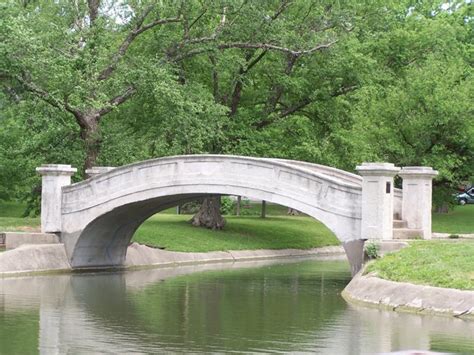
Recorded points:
(29, 259)
(370, 290)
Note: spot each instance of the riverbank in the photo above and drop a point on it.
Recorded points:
(430, 277)
(46, 258)
(369, 290)
(439, 263)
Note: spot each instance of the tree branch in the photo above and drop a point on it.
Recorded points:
(93, 10)
(215, 79)
(268, 46)
(264, 46)
(237, 92)
(46, 96)
(138, 29)
(118, 100)
(292, 109)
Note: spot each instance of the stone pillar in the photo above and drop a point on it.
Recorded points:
(55, 176)
(97, 170)
(377, 200)
(416, 204)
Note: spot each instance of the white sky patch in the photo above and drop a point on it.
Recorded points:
(117, 10)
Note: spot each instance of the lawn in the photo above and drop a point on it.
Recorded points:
(459, 220)
(173, 232)
(11, 220)
(437, 263)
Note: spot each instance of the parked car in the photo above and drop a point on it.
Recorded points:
(466, 196)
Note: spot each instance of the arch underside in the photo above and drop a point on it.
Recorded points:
(100, 215)
(104, 241)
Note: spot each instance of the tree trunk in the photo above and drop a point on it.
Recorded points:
(209, 215)
(442, 208)
(91, 137)
(264, 209)
(239, 201)
(292, 212)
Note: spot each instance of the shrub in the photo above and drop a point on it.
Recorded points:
(372, 250)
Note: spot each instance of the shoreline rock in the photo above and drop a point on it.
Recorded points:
(370, 290)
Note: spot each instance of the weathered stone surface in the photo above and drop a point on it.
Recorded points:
(141, 255)
(402, 296)
(54, 177)
(100, 215)
(377, 200)
(417, 196)
(34, 258)
(15, 239)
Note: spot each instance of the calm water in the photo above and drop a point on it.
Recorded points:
(277, 306)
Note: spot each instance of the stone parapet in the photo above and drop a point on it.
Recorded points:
(377, 200)
(97, 170)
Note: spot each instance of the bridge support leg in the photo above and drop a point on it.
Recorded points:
(416, 203)
(377, 200)
(54, 177)
(355, 253)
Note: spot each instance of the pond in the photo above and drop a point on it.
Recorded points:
(272, 306)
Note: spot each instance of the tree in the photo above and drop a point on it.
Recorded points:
(420, 113)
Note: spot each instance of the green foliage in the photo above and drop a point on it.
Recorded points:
(395, 84)
(372, 250)
(227, 205)
(190, 207)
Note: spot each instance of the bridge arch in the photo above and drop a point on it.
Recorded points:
(100, 215)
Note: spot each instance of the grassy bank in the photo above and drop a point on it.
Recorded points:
(435, 263)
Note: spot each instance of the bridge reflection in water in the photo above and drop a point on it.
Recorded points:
(278, 305)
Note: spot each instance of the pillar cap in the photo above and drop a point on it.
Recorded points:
(56, 169)
(380, 169)
(97, 170)
(417, 172)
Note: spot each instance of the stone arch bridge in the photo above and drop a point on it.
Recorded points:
(97, 218)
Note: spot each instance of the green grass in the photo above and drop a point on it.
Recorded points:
(436, 263)
(11, 218)
(459, 220)
(173, 232)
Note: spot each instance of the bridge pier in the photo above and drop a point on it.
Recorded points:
(377, 200)
(355, 254)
